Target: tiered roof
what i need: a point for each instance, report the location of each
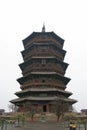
(26, 94)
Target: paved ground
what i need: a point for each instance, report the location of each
(40, 127)
(37, 126)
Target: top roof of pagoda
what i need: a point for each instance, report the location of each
(49, 34)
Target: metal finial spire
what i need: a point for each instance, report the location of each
(43, 28)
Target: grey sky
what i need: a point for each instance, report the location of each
(19, 18)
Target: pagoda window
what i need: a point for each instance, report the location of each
(43, 95)
(43, 87)
(43, 81)
(43, 61)
(43, 47)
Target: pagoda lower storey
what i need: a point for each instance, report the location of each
(40, 104)
(38, 107)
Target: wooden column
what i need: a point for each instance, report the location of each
(47, 107)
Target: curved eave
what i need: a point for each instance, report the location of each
(42, 84)
(23, 79)
(50, 34)
(43, 90)
(32, 99)
(33, 44)
(55, 98)
(61, 40)
(64, 64)
(65, 79)
(22, 65)
(71, 101)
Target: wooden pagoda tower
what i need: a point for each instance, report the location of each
(43, 81)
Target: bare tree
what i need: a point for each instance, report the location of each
(61, 108)
(12, 107)
(30, 108)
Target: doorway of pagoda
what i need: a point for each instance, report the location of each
(44, 108)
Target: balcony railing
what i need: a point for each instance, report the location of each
(39, 83)
(45, 40)
(36, 67)
(47, 52)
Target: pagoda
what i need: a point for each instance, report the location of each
(43, 81)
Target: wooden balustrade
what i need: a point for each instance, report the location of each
(38, 82)
(45, 40)
(47, 52)
(36, 67)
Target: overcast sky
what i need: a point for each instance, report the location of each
(67, 18)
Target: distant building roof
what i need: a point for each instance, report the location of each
(84, 110)
(2, 111)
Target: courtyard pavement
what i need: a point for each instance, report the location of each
(37, 126)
